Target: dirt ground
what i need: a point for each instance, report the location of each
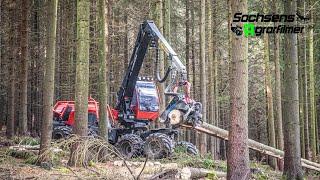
(18, 170)
(21, 168)
(13, 168)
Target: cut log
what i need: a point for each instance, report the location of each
(25, 147)
(254, 145)
(196, 173)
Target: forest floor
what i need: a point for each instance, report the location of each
(13, 166)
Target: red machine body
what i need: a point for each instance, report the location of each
(64, 111)
(145, 106)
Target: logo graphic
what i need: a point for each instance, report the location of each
(252, 24)
(249, 29)
(236, 29)
(302, 17)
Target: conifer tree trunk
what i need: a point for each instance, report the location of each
(211, 95)
(203, 75)
(2, 69)
(215, 73)
(278, 105)
(48, 86)
(306, 94)
(313, 143)
(161, 86)
(301, 97)
(12, 71)
(301, 83)
(82, 67)
(167, 20)
(292, 163)
(238, 151)
(102, 83)
(270, 115)
(23, 127)
(192, 11)
(187, 24)
(82, 74)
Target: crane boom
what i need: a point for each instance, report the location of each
(148, 35)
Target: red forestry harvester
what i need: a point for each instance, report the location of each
(138, 105)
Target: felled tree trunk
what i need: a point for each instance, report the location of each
(254, 145)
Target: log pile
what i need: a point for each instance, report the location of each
(254, 145)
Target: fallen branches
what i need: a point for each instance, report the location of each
(271, 151)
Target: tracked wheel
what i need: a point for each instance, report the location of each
(187, 147)
(61, 132)
(130, 145)
(158, 146)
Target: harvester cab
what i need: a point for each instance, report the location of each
(145, 102)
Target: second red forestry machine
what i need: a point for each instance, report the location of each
(138, 104)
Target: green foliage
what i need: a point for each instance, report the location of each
(208, 163)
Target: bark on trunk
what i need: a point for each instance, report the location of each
(203, 85)
(161, 86)
(270, 116)
(48, 91)
(12, 70)
(23, 126)
(313, 143)
(102, 84)
(238, 152)
(187, 17)
(300, 7)
(82, 75)
(211, 93)
(306, 103)
(278, 105)
(292, 163)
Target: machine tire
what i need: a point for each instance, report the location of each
(158, 145)
(92, 132)
(61, 132)
(189, 147)
(130, 145)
